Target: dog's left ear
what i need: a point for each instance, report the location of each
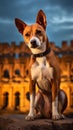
(41, 19)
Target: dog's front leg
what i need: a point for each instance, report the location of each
(31, 114)
(55, 113)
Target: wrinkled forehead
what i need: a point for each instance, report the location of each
(32, 28)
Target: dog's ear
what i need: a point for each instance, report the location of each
(41, 19)
(20, 25)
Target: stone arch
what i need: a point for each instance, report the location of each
(6, 74)
(17, 72)
(28, 96)
(5, 100)
(17, 100)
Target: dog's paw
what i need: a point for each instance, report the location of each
(30, 117)
(58, 116)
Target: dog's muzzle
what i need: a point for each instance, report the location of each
(35, 42)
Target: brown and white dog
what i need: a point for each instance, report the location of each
(44, 70)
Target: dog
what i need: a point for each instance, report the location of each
(44, 70)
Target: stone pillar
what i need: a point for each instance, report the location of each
(12, 106)
(10, 103)
(69, 96)
(26, 91)
(9, 100)
(11, 72)
(0, 96)
(69, 71)
(24, 104)
(22, 70)
(22, 98)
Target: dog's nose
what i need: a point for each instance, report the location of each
(33, 43)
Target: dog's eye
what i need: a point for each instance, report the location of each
(38, 32)
(27, 34)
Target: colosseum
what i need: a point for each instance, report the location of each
(14, 82)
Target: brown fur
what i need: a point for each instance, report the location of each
(29, 31)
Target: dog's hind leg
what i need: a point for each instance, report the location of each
(39, 104)
(63, 101)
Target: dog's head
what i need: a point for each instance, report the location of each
(35, 34)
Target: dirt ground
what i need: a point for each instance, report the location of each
(16, 121)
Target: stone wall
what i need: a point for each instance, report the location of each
(14, 82)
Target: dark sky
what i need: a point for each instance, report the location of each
(59, 15)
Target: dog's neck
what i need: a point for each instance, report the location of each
(41, 52)
(38, 50)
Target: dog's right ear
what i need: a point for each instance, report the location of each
(20, 25)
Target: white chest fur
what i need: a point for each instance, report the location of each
(41, 70)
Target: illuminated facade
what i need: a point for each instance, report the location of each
(14, 83)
